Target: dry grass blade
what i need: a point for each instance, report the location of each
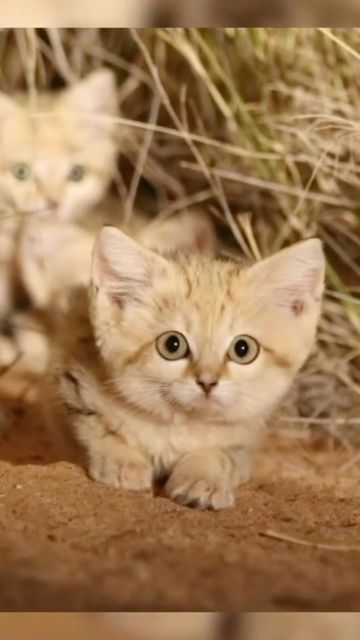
(274, 535)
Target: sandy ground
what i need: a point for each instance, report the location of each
(67, 543)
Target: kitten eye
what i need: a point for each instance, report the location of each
(172, 346)
(244, 350)
(21, 171)
(76, 173)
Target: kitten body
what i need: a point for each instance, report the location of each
(136, 412)
(55, 256)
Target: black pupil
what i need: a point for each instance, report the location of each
(77, 172)
(241, 348)
(172, 344)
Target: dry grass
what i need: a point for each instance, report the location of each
(262, 128)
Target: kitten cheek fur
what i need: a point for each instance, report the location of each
(135, 296)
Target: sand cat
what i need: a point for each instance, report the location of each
(57, 157)
(168, 366)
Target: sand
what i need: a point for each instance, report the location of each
(67, 543)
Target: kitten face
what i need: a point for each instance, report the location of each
(200, 338)
(57, 161)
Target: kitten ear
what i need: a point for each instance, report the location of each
(190, 232)
(294, 276)
(8, 106)
(123, 268)
(95, 94)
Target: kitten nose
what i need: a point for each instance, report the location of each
(53, 202)
(206, 386)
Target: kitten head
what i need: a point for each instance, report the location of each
(200, 337)
(58, 160)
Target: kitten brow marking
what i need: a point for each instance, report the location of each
(279, 359)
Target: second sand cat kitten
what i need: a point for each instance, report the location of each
(171, 365)
(56, 160)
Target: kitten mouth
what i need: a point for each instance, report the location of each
(47, 212)
(208, 404)
(202, 404)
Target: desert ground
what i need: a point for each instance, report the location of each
(67, 543)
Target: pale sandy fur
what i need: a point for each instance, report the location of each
(135, 415)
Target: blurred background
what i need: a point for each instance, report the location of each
(181, 626)
(195, 13)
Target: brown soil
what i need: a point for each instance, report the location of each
(67, 543)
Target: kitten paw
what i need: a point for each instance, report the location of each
(133, 475)
(199, 493)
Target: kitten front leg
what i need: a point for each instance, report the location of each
(116, 464)
(206, 479)
(79, 424)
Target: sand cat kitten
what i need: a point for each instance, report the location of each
(56, 160)
(172, 364)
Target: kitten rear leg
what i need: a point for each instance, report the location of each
(207, 479)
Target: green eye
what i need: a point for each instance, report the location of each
(244, 350)
(21, 171)
(76, 173)
(172, 346)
